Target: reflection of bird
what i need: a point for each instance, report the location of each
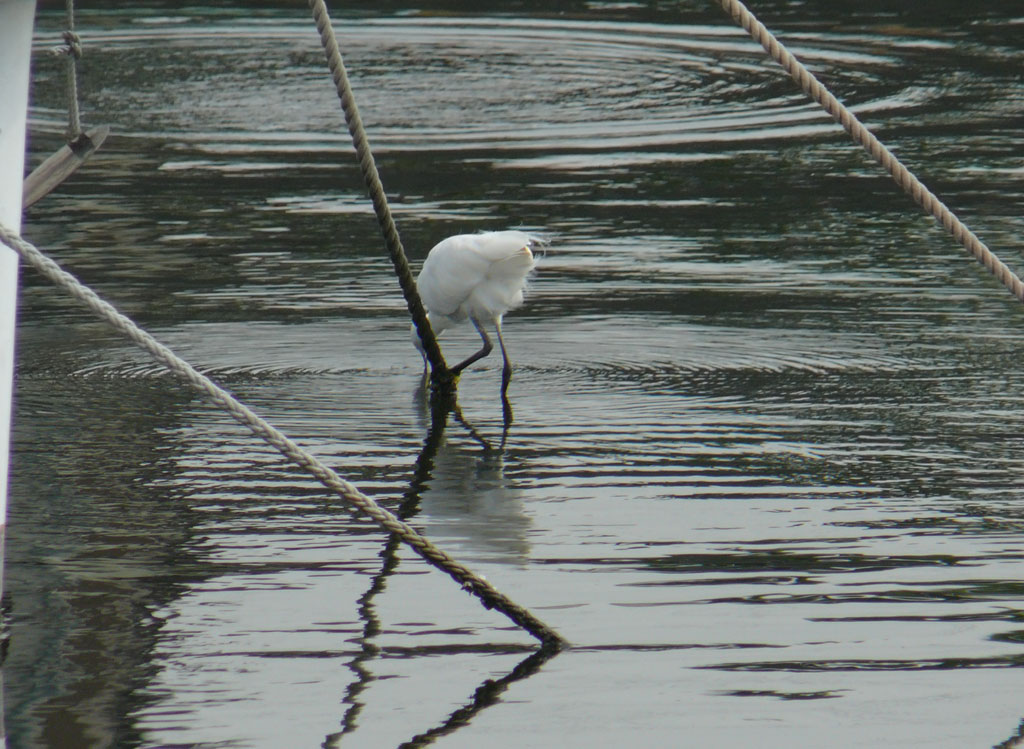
(460, 493)
(479, 277)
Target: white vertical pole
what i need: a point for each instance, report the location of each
(16, 18)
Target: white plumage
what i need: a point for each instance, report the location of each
(478, 277)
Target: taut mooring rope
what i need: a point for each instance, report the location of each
(439, 372)
(903, 177)
(481, 588)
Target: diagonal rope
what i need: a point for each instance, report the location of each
(903, 177)
(478, 586)
(439, 371)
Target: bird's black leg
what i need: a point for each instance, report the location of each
(506, 369)
(479, 354)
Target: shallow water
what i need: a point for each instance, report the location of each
(765, 465)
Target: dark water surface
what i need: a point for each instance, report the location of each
(765, 470)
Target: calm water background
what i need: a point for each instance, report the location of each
(765, 470)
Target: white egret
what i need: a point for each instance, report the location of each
(478, 277)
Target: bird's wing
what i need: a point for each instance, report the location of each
(449, 275)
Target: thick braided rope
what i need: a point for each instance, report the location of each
(487, 593)
(903, 177)
(439, 370)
